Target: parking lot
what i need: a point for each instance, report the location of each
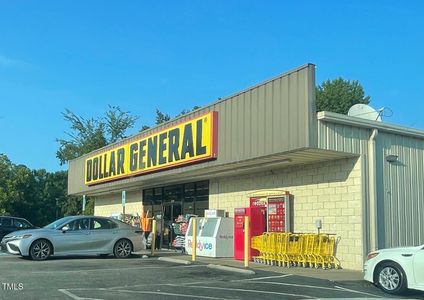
(150, 278)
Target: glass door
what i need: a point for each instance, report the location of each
(170, 212)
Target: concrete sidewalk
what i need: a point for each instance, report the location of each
(330, 274)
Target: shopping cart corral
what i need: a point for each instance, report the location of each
(297, 249)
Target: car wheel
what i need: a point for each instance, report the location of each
(391, 278)
(40, 250)
(122, 249)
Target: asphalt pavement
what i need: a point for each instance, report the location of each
(151, 278)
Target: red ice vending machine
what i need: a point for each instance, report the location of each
(257, 227)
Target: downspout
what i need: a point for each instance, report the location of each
(372, 171)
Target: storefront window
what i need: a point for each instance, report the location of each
(157, 201)
(157, 196)
(189, 192)
(148, 201)
(189, 197)
(167, 203)
(202, 197)
(193, 197)
(173, 193)
(200, 207)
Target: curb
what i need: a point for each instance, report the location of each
(231, 269)
(173, 260)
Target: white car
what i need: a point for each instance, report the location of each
(397, 269)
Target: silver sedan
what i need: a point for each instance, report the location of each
(76, 235)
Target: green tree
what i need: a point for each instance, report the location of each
(89, 207)
(85, 135)
(45, 199)
(22, 192)
(17, 189)
(90, 134)
(164, 117)
(144, 127)
(36, 195)
(53, 196)
(339, 95)
(71, 206)
(186, 111)
(161, 117)
(6, 175)
(117, 123)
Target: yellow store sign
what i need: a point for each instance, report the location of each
(186, 143)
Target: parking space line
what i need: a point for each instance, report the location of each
(300, 285)
(119, 289)
(260, 278)
(115, 269)
(357, 292)
(335, 288)
(67, 293)
(172, 294)
(157, 284)
(75, 297)
(200, 282)
(247, 291)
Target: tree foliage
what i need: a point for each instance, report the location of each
(161, 117)
(186, 111)
(339, 95)
(87, 135)
(36, 195)
(17, 188)
(117, 123)
(144, 127)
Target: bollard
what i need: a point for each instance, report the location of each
(246, 242)
(194, 241)
(153, 244)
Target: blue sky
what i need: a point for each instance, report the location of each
(171, 55)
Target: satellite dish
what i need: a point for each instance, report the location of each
(365, 112)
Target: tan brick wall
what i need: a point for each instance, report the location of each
(112, 204)
(330, 191)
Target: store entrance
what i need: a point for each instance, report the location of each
(170, 212)
(167, 203)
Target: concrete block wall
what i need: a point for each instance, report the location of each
(329, 191)
(110, 204)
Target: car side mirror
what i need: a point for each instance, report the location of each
(65, 228)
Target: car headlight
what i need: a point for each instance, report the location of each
(372, 255)
(23, 236)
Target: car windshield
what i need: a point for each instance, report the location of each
(57, 223)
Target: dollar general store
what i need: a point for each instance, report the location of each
(363, 179)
